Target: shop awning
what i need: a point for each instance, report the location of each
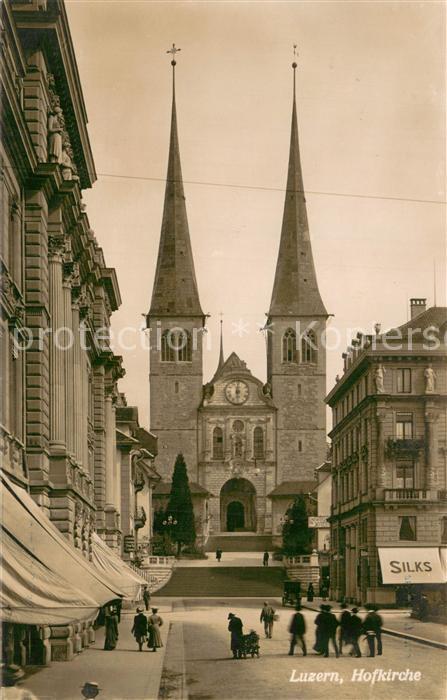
(111, 565)
(411, 565)
(28, 525)
(32, 594)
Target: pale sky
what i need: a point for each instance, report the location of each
(371, 113)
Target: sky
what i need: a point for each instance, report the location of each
(371, 117)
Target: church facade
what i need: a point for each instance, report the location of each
(252, 444)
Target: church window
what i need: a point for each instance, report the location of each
(238, 426)
(258, 443)
(176, 346)
(218, 443)
(289, 346)
(309, 348)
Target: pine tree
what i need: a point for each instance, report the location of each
(180, 506)
(296, 535)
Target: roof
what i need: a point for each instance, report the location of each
(295, 290)
(163, 488)
(293, 488)
(434, 316)
(175, 290)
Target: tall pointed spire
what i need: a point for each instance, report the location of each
(221, 353)
(175, 290)
(295, 290)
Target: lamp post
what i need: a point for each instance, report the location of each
(168, 524)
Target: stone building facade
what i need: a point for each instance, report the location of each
(389, 448)
(241, 437)
(59, 374)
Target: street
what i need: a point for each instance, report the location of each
(199, 627)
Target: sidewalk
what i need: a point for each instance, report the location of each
(122, 674)
(398, 623)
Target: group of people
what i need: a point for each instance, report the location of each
(343, 632)
(147, 629)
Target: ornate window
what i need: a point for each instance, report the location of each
(258, 443)
(289, 346)
(309, 347)
(238, 426)
(176, 346)
(404, 426)
(238, 446)
(405, 474)
(218, 452)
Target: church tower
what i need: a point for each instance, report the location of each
(296, 357)
(176, 323)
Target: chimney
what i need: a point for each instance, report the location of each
(417, 306)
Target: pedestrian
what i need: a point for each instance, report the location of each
(111, 628)
(218, 554)
(354, 631)
(423, 608)
(139, 629)
(267, 617)
(326, 630)
(11, 678)
(372, 626)
(324, 590)
(265, 559)
(235, 627)
(297, 629)
(343, 622)
(310, 592)
(146, 597)
(153, 628)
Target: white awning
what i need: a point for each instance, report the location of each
(116, 570)
(32, 594)
(411, 565)
(28, 525)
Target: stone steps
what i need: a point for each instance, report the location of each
(224, 581)
(240, 542)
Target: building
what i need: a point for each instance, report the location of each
(241, 437)
(389, 441)
(59, 375)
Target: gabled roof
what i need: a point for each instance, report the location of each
(232, 365)
(293, 488)
(434, 316)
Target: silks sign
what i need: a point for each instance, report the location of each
(411, 565)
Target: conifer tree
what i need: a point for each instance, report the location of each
(180, 506)
(296, 535)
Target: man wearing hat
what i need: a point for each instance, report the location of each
(354, 632)
(326, 629)
(139, 629)
(90, 689)
(235, 627)
(344, 622)
(11, 676)
(297, 629)
(267, 617)
(372, 625)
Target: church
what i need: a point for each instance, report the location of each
(250, 445)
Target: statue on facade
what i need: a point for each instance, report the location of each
(69, 171)
(55, 128)
(430, 379)
(267, 390)
(379, 374)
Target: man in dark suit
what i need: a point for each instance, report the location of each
(297, 628)
(354, 631)
(327, 624)
(344, 621)
(139, 629)
(372, 625)
(235, 627)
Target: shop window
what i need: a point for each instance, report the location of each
(407, 528)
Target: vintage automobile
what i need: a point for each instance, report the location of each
(291, 593)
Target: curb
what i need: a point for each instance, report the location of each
(401, 635)
(173, 675)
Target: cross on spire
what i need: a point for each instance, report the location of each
(173, 50)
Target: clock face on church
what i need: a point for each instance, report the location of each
(236, 392)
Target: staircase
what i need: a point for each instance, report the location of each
(239, 542)
(246, 582)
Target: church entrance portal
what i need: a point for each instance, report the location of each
(238, 506)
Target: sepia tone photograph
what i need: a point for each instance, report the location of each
(223, 368)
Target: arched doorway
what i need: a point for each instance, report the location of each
(238, 506)
(235, 516)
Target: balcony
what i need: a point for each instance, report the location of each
(410, 495)
(403, 447)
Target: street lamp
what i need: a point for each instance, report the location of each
(168, 523)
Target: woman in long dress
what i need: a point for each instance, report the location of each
(154, 636)
(111, 625)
